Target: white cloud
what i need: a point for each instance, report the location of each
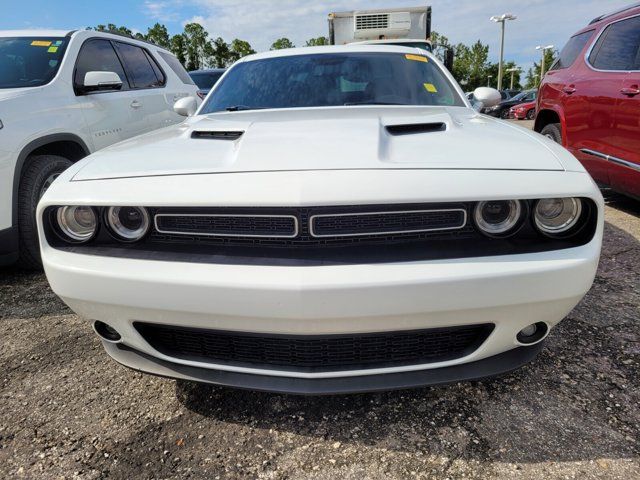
(262, 21)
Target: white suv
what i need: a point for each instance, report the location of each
(64, 95)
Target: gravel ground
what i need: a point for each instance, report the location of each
(68, 411)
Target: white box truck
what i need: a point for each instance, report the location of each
(390, 25)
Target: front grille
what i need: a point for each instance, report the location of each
(316, 227)
(315, 353)
(252, 226)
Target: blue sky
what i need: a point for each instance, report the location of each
(262, 21)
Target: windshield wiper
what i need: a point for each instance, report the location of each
(238, 108)
(350, 104)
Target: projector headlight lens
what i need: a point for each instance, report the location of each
(128, 224)
(498, 217)
(77, 223)
(555, 216)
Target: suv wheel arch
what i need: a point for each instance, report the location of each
(546, 117)
(53, 152)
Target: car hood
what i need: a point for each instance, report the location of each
(338, 138)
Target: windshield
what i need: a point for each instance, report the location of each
(522, 95)
(322, 80)
(29, 61)
(205, 80)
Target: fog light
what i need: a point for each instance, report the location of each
(532, 333)
(498, 217)
(77, 223)
(128, 224)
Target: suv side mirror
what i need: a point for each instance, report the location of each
(489, 97)
(101, 81)
(186, 106)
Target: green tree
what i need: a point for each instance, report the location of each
(113, 28)
(316, 42)
(533, 74)
(470, 65)
(158, 34)
(179, 48)
(282, 43)
(440, 44)
(240, 48)
(221, 53)
(196, 41)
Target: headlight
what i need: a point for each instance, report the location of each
(498, 217)
(77, 223)
(555, 216)
(128, 223)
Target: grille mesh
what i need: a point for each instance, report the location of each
(359, 224)
(315, 353)
(250, 226)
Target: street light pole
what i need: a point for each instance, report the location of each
(489, 77)
(513, 71)
(501, 19)
(548, 47)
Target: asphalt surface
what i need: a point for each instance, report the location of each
(68, 411)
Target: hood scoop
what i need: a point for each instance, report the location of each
(217, 134)
(413, 128)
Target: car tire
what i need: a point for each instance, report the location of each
(553, 132)
(504, 114)
(531, 114)
(38, 175)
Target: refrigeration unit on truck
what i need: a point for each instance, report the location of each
(390, 25)
(408, 26)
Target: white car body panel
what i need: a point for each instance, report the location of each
(320, 157)
(97, 120)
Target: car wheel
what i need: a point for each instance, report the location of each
(37, 177)
(504, 114)
(531, 114)
(553, 132)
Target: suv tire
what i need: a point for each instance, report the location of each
(553, 131)
(41, 170)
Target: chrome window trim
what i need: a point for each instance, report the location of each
(313, 217)
(612, 159)
(593, 44)
(170, 232)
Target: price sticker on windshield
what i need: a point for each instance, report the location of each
(40, 43)
(416, 58)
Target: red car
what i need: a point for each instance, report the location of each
(523, 111)
(589, 101)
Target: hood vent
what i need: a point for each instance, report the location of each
(413, 128)
(217, 134)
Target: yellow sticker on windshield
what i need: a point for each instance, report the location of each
(52, 49)
(430, 87)
(416, 58)
(40, 43)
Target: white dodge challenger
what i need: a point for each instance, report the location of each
(331, 220)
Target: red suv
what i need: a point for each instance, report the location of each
(589, 101)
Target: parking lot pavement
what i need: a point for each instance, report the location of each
(68, 411)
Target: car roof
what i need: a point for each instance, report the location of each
(208, 70)
(350, 48)
(621, 12)
(35, 33)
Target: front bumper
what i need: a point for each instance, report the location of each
(511, 292)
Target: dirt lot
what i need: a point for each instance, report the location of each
(68, 411)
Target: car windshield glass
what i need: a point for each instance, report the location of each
(205, 80)
(520, 96)
(322, 80)
(29, 61)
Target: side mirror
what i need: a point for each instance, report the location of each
(489, 97)
(186, 106)
(101, 81)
